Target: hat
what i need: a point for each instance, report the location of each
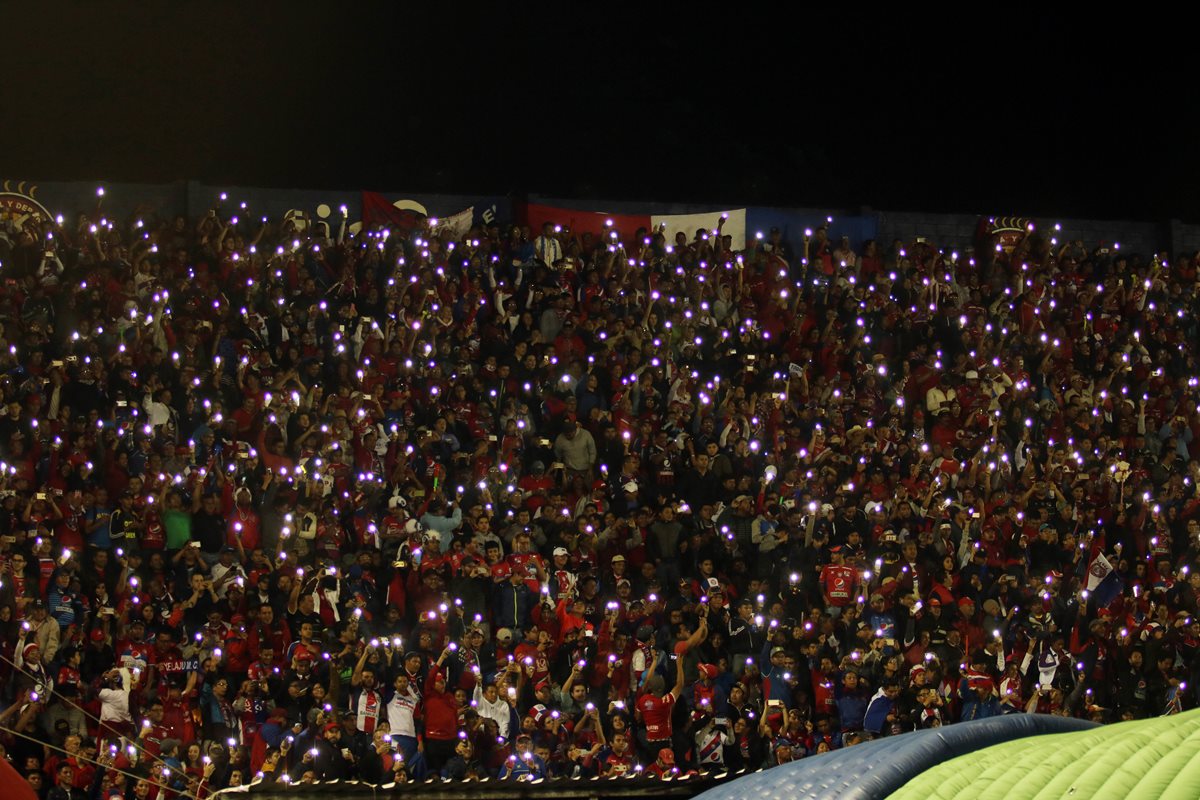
(935, 601)
(618, 557)
(707, 671)
(965, 601)
(972, 375)
(741, 497)
(561, 551)
(302, 654)
(775, 651)
(332, 726)
(538, 712)
(504, 635)
(537, 467)
(630, 487)
(96, 635)
(667, 756)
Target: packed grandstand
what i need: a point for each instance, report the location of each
(289, 500)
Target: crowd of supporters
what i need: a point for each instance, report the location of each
(291, 503)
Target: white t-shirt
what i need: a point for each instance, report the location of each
(499, 710)
(401, 710)
(114, 705)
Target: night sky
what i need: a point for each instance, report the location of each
(1002, 114)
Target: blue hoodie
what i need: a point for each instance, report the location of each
(877, 711)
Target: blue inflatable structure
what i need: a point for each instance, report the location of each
(874, 770)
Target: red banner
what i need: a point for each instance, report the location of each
(377, 212)
(594, 222)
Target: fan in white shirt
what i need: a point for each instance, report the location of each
(491, 705)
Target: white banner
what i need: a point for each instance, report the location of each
(688, 224)
(458, 224)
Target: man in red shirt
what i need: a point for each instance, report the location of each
(664, 765)
(838, 582)
(441, 716)
(653, 707)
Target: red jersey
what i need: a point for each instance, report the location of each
(656, 714)
(154, 537)
(243, 525)
(837, 582)
(527, 564)
(619, 765)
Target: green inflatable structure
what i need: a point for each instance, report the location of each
(1144, 759)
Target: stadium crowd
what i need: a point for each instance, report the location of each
(291, 503)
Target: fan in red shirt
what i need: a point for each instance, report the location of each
(441, 716)
(653, 707)
(838, 581)
(243, 525)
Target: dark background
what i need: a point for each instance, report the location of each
(979, 110)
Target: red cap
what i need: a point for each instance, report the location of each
(965, 601)
(707, 671)
(96, 635)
